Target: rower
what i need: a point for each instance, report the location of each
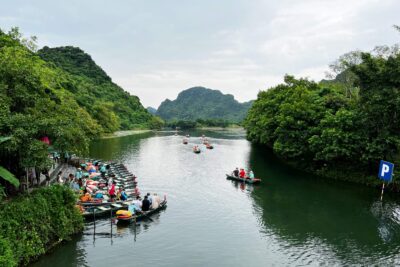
(236, 172)
(145, 204)
(251, 175)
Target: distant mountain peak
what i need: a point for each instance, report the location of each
(151, 110)
(202, 103)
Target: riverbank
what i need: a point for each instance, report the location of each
(124, 133)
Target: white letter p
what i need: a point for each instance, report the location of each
(385, 169)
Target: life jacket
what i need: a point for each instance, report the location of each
(86, 197)
(112, 190)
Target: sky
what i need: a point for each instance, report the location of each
(156, 48)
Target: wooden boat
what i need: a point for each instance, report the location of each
(196, 149)
(96, 212)
(139, 217)
(248, 181)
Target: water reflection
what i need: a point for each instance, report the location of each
(308, 215)
(291, 218)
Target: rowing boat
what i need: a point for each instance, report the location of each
(102, 211)
(141, 216)
(247, 180)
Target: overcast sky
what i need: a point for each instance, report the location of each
(157, 48)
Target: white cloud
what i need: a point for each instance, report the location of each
(157, 48)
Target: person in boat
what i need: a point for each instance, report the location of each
(111, 192)
(242, 173)
(133, 209)
(145, 204)
(86, 197)
(98, 195)
(138, 203)
(236, 172)
(122, 194)
(251, 175)
(156, 201)
(150, 198)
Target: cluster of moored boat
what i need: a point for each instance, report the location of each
(105, 206)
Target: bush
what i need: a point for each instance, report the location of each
(30, 224)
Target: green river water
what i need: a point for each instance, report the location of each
(290, 219)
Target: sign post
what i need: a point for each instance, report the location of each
(385, 173)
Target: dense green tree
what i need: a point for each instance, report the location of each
(156, 123)
(105, 116)
(338, 127)
(95, 91)
(379, 81)
(35, 105)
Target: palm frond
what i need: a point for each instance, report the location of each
(9, 177)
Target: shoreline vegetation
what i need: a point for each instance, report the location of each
(340, 128)
(32, 224)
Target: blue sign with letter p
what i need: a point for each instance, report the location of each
(386, 171)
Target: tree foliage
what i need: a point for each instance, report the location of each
(111, 106)
(334, 127)
(35, 105)
(56, 93)
(30, 224)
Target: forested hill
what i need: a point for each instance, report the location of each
(59, 95)
(202, 103)
(93, 89)
(75, 61)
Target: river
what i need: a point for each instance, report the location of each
(290, 219)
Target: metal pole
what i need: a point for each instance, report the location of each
(94, 220)
(134, 230)
(383, 188)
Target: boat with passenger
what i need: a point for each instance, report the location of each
(196, 149)
(246, 180)
(125, 217)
